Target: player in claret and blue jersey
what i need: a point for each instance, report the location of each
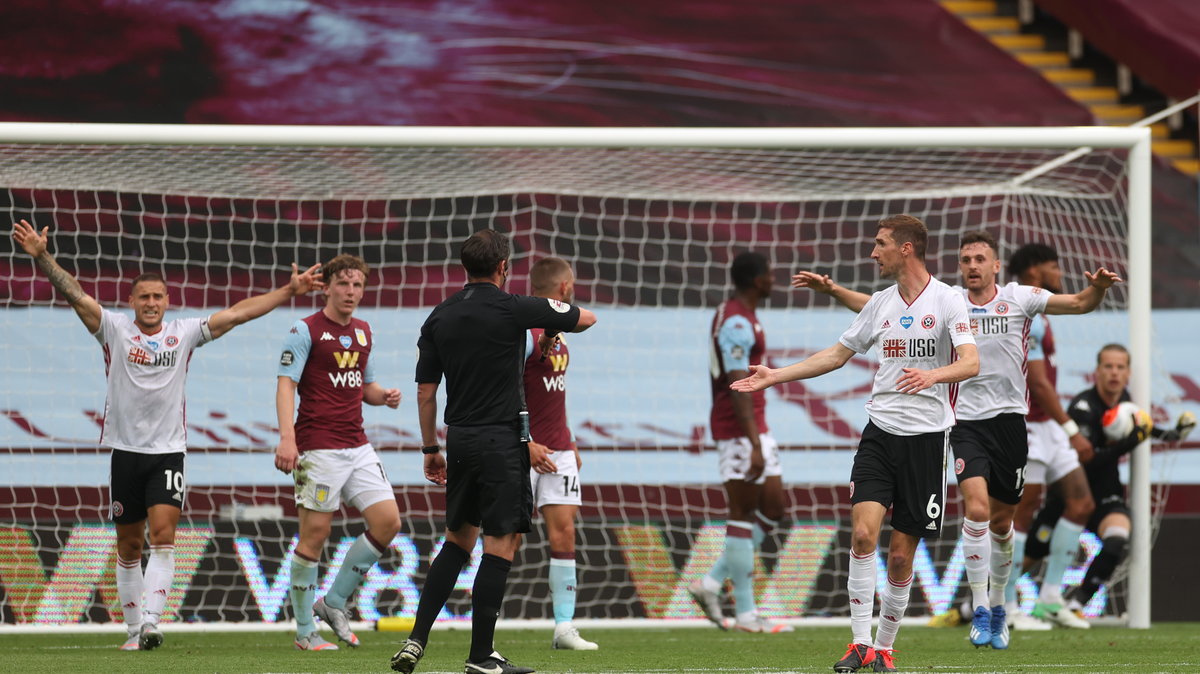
(749, 456)
(553, 456)
(327, 359)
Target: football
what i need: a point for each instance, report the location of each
(1119, 421)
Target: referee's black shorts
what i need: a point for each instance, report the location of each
(487, 479)
(995, 449)
(906, 473)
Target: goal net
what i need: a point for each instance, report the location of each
(650, 230)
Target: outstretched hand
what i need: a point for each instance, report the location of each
(761, 377)
(818, 282)
(29, 239)
(301, 283)
(1102, 278)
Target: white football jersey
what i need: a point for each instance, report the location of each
(920, 335)
(144, 404)
(1001, 330)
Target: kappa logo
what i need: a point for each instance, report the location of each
(345, 341)
(906, 322)
(326, 337)
(928, 321)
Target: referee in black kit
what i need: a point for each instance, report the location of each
(476, 338)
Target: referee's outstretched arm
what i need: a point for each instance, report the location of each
(586, 320)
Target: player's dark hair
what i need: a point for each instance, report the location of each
(341, 263)
(483, 252)
(979, 237)
(907, 229)
(1113, 347)
(1028, 256)
(746, 268)
(547, 272)
(147, 277)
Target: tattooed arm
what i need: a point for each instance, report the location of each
(34, 244)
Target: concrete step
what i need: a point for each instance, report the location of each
(1175, 149)
(970, 7)
(1069, 76)
(1044, 59)
(994, 25)
(1019, 43)
(1093, 94)
(1118, 115)
(1189, 166)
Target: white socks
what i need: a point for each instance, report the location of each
(861, 587)
(160, 573)
(977, 553)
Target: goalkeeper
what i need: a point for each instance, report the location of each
(1111, 520)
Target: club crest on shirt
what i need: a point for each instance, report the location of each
(361, 336)
(928, 322)
(172, 341)
(906, 322)
(345, 341)
(1002, 308)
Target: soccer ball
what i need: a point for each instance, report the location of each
(1119, 421)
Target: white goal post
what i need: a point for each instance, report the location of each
(1133, 145)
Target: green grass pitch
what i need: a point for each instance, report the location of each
(1168, 647)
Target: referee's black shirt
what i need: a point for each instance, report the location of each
(476, 338)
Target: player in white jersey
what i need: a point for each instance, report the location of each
(989, 438)
(146, 361)
(923, 337)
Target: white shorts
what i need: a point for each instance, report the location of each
(735, 458)
(326, 477)
(560, 487)
(1051, 455)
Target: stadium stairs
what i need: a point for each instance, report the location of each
(1077, 69)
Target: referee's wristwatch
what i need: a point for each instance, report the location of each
(431, 449)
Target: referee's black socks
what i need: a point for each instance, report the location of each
(486, 598)
(443, 574)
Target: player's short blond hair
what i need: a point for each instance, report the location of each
(341, 263)
(547, 272)
(147, 277)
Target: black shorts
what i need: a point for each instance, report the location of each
(487, 480)
(138, 481)
(906, 473)
(996, 450)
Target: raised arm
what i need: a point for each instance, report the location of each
(851, 299)
(1087, 299)
(252, 307)
(34, 243)
(826, 360)
(586, 320)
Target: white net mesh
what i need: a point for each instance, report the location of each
(650, 232)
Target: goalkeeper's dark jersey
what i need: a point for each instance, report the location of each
(1087, 409)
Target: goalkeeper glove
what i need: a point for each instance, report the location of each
(1184, 426)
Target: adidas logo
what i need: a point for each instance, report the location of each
(932, 526)
(886, 324)
(892, 618)
(973, 558)
(856, 601)
(161, 591)
(326, 337)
